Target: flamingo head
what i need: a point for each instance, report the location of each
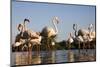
(26, 20)
(75, 26)
(20, 27)
(56, 19)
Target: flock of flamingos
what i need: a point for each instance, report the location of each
(26, 38)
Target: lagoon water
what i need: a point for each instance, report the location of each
(57, 56)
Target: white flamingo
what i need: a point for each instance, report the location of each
(91, 32)
(91, 35)
(87, 35)
(70, 40)
(32, 37)
(49, 32)
(79, 36)
(19, 38)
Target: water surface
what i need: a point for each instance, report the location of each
(58, 56)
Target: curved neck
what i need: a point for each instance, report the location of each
(56, 29)
(24, 26)
(20, 28)
(75, 29)
(90, 28)
(70, 35)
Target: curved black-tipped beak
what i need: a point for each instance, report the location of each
(26, 20)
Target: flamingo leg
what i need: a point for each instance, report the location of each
(79, 45)
(69, 46)
(94, 46)
(48, 46)
(84, 46)
(37, 49)
(89, 45)
(17, 48)
(29, 53)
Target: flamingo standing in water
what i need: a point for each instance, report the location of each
(86, 35)
(78, 39)
(91, 35)
(27, 36)
(49, 33)
(70, 40)
(20, 39)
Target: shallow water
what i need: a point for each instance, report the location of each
(58, 56)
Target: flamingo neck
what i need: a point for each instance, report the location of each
(20, 28)
(24, 26)
(56, 29)
(75, 29)
(90, 28)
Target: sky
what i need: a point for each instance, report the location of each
(41, 14)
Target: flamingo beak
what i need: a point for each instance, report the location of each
(57, 21)
(19, 27)
(26, 20)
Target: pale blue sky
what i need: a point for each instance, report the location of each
(40, 15)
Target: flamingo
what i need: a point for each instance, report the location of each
(49, 32)
(80, 36)
(91, 35)
(27, 35)
(87, 35)
(91, 32)
(70, 40)
(20, 39)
